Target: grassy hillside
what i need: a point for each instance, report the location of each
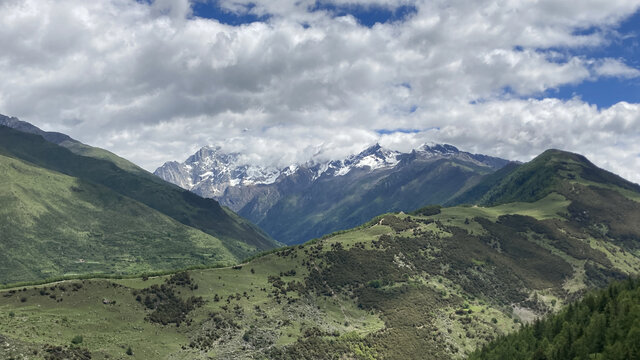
(74, 145)
(474, 194)
(65, 214)
(102, 154)
(189, 209)
(544, 174)
(53, 224)
(604, 325)
(434, 286)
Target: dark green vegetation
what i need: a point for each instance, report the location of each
(299, 209)
(64, 213)
(436, 285)
(534, 180)
(428, 210)
(603, 325)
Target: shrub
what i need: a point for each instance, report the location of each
(428, 210)
(78, 339)
(167, 306)
(180, 279)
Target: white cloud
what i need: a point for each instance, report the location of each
(153, 83)
(615, 68)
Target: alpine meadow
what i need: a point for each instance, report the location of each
(319, 180)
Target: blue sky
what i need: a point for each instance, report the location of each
(212, 10)
(367, 15)
(605, 92)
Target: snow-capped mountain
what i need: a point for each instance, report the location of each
(372, 158)
(302, 201)
(210, 171)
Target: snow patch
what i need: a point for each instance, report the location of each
(212, 171)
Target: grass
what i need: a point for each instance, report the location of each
(541, 176)
(101, 154)
(56, 225)
(65, 215)
(400, 286)
(622, 259)
(105, 328)
(239, 236)
(400, 313)
(551, 206)
(367, 235)
(109, 329)
(629, 194)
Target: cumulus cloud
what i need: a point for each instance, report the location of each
(153, 82)
(615, 68)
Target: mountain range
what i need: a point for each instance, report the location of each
(437, 283)
(71, 209)
(303, 201)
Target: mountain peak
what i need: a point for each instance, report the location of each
(373, 157)
(546, 173)
(371, 150)
(17, 124)
(210, 171)
(441, 149)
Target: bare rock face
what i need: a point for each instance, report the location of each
(209, 172)
(175, 173)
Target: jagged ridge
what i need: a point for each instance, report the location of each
(303, 201)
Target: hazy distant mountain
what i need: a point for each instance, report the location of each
(302, 201)
(15, 123)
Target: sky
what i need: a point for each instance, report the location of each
(286, 81)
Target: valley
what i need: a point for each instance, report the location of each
(65, 214)
(319, 180)
(439, 283)
(303, 201)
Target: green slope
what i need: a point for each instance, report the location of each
(398, 287)
(70, 143)
(52, 224)
(65, 214)
(475, 193)
(545, 174)
(97, 153)
(127, 180)
(604, 325)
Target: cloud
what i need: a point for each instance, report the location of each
(615, 68)
(153, 81)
